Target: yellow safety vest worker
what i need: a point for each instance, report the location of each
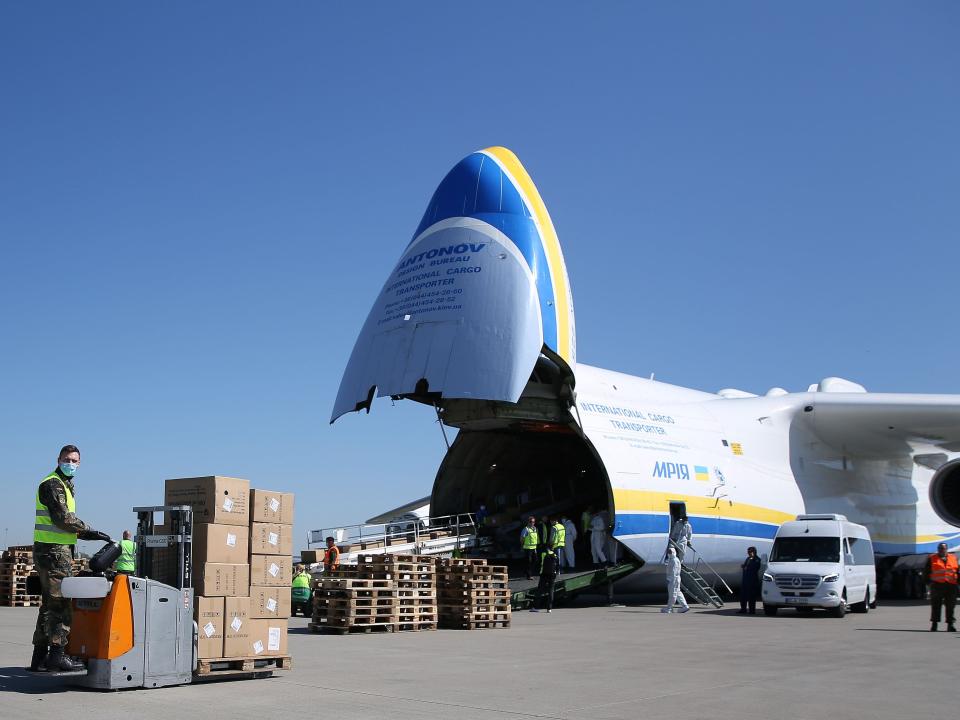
(302, 581)
(531, 538)
(44, 531)
(559, 535)
(126, 563)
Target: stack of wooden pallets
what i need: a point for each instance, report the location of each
(416, 582)
(343, 605)
(472, 595)
(16, 565)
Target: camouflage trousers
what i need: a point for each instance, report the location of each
(53, 563)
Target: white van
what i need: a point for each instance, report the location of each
(820, 561)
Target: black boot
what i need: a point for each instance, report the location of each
(38, 663)
(951, 627)
(58, 662)
(933, 627)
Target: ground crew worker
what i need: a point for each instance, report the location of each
(543, 531)
(127, 563)
(585, 518)
(549, 569)
(569, 557)
(331, 556)
(598, 540)
(681, 534)
(558, 541)
(674, 593)
(300, 589)
(529, 540)
(941, 572)
(55, 532)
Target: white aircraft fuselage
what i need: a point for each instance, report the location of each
(476, 319)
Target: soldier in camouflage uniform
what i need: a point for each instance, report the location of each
(55, 535)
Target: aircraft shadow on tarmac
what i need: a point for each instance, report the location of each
(19, 680)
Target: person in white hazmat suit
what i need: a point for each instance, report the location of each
(681, 535)
(568, 555)
(674, 593)
(598, 539)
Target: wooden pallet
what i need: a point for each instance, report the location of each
(20, 602)
(474, 603)
(351, 629)
(450, 624)
(360, 602)
(354, 584)
(356, 614)
(232, 667)
(462, 562)
(449, 594)
(416, 626)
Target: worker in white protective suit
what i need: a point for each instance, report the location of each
(681, 535)
(598, 539)
(568, 555)
(674, 593)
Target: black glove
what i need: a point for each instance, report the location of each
(97, 535)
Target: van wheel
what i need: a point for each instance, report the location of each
(840, 610)
(862, 607)
(770, 610)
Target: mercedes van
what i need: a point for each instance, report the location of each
(820, 561)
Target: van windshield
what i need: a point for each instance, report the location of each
(806, 549)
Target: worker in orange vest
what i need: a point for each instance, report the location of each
(331, 557)
(941, 572)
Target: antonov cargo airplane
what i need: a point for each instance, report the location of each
(476, 319)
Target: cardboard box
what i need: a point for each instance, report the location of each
(271, 570)
(220, 543)
(221, 579)
(214, 499)
(271, 539)
(267, 637)
(236, 626)
(270, 506)
(208, 612)
(269, 602)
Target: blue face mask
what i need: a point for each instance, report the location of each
(69, 469)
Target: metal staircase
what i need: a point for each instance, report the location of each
(694, 584)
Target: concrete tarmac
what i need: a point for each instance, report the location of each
(577, 662)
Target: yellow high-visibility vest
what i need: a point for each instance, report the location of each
(44, 530)
(531, 539)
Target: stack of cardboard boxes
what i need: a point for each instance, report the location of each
(242, 545)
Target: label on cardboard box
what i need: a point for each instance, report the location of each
(273, 569)
(258, 647)
(271, 605)
(236, 624)
(231, 540)
(274, 504)
(273, 639)
(273, 539)
(209, 629)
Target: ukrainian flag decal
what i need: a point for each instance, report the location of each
(701, 473)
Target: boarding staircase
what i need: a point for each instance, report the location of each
(692, 581)
(694, 584)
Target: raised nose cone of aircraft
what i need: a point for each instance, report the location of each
(478, 293)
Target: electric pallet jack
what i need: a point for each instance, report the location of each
(132, 631)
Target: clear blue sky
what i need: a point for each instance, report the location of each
(200, 201)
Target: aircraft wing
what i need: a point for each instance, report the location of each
(882, 424)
